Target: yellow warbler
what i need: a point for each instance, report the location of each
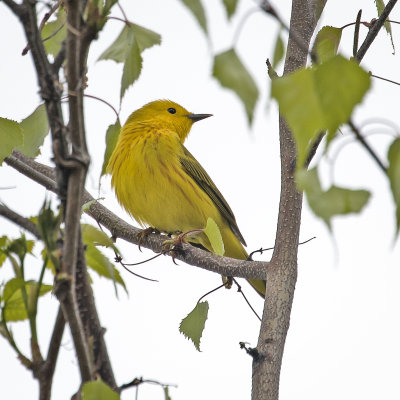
(161, 184)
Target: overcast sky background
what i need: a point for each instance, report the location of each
(343, 340)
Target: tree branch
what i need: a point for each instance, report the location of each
(373, 32)
(45, 176)
(191, 255)
(367, 147)
(282, 272)
(19, 220)
(14, 7)
(46, 372)
(89, 316)
(75, 167)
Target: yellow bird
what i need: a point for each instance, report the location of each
(160, 184)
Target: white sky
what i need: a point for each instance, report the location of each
(343, 340)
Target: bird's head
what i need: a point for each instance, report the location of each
(167, 114)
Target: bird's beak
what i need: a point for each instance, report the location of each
(198, 117)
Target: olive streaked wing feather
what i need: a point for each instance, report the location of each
(192, 167)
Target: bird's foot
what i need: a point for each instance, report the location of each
(143, 235)
(174, 246)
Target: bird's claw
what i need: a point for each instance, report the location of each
(174, 246)
(143, 235)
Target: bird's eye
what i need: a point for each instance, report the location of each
(171, 110)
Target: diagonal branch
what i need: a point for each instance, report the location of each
(19, 220)
(46, 371)
(367, 147)
(373, 32)
(17, 9)
(191, 255)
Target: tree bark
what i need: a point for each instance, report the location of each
(282, 271)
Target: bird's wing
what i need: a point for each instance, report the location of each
(193, 168)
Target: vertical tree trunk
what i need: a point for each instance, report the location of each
(282, 272)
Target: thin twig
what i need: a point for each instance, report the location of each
(385, 79)
(373, 32)
(308, 240)
(361, 139)
(120, 19)
(46, 17)
(103, 101)
(245, 298)
(123, 12)
(314, 147)
(261, 250)
(134, 273)
(138, 381)
(211, 291)
(356, 33)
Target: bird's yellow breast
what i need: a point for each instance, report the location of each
(152, 186)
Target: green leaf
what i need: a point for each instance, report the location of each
(11, 287)
(10, 137)
(299, 103)
(111, 141)
(145, 38)
(230, 7)
(320, 98)
(127, 49)
(394, 177)
(196, 8)
(21, 247)
(279, 50)
(3, 241)
(132, 68)
(98, 262)
(95, 259)
(380, 5)
(14, 306)
(3, 257)
(34, 129)
(98, 390)
(214, 236)
(341, 84)
(193, 325)
(49, 226)
(334, 201)
(326, 43)
(96, 237)
(119, 48)
(232, 74)
(54, 33)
